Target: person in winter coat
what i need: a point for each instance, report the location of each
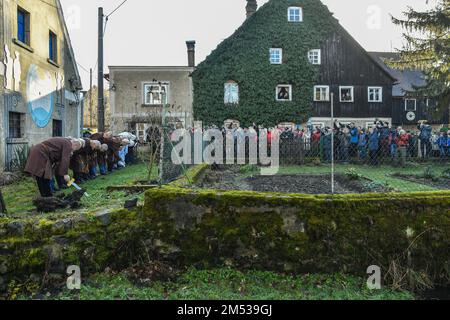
(49, 156)
(354, 136)
(442, 143)
(374, 145)
(362, 144)
(425, 139)
(326, 136)
(393, 142)
(102, 158)
(403, 141)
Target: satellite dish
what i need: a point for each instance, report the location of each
(411, 116)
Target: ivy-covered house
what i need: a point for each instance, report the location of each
(283, 64)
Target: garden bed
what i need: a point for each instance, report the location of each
(442, 183)
(235, 178)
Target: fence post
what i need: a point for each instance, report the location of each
(332, 143)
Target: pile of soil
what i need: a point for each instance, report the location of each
(436, 182)
(232, 179)
(52, 204)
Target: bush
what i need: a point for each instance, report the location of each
(352, 174)
(19, 161)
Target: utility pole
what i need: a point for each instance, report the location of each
(91, 115)
(101, 105)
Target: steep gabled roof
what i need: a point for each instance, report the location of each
(67, 39)
(407, 79)
(371, 58)
(339, 28)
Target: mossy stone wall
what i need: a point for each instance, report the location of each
(303, 233)
(206, 228)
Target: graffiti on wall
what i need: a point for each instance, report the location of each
(40, 95)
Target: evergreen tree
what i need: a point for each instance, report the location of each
(427, 48)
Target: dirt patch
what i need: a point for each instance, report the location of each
(442, 183)
(232, 178)
(52, 204)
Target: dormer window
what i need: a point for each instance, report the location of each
(276, 56)
(314, 56)
(295, 14)
(231, 93)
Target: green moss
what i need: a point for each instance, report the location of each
(328, 234)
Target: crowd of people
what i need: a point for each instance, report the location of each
(374, 145)
(94, 154)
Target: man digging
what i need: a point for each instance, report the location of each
(52, 154)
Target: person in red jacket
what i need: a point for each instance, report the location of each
(403, 142)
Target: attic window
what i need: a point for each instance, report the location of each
(410, 105)
(276, 56)
(231, 94)
(295, 14)
(314, 56)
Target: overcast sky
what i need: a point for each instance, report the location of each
(150, 32)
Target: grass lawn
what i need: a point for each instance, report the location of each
(19, 196)
(229, 284)
(380, 174)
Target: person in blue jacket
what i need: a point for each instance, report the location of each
(362, 144)
(442, 143)
(425, 139)
(353, 140)
(374, 145)
(448, 143)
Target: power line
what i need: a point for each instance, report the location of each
(85, 69)
(120, 5)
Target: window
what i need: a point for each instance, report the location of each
(57, 128)
(16, 120)
(141, 130)
(319, 125)
(430, 103)
(231, 94)
(276, 56)
(23, 26)
(346, 94)
(314, 56)
(53, 47)
(156, 93)
(410, 105)
(284, 93)
(295, 14)
(375, 94)
(321, 93)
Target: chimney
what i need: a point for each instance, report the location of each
(251, 7)
(191, 53)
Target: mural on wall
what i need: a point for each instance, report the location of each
(11, 69)
(17, 72)
(8, 69)
(40, 95)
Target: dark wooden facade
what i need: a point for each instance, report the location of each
(346, 63)
(425, 110)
